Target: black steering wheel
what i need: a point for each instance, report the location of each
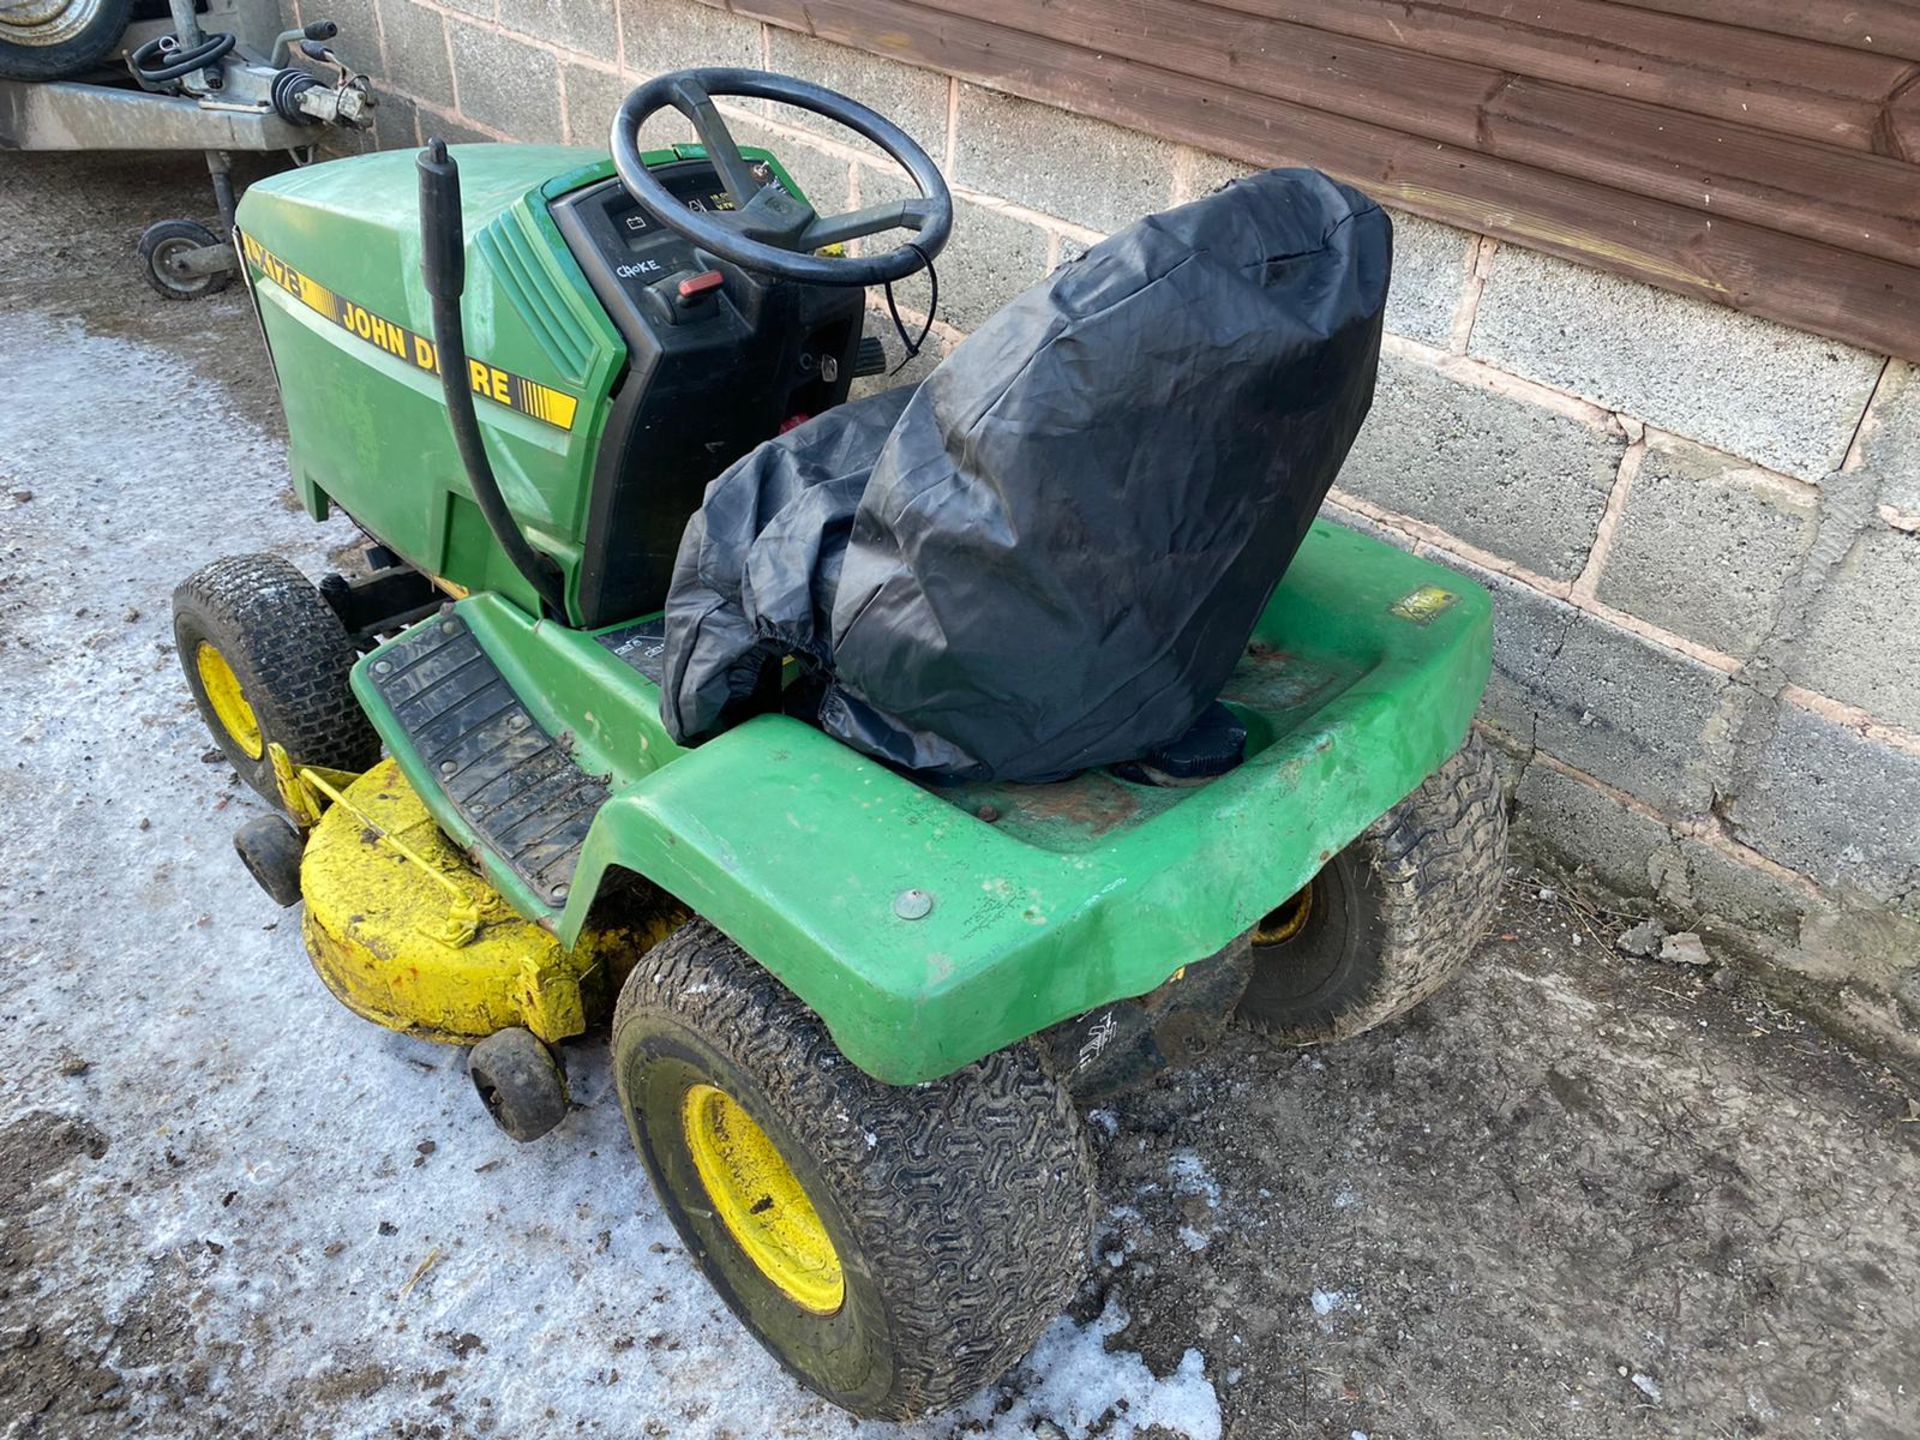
(768, 230)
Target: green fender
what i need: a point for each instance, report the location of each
(1363, 677)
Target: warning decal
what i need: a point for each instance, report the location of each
(516, 392)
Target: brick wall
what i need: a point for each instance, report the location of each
(1701, 530)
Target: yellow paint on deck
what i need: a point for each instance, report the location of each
(375, 928)
(304, 800)
(229, 700)
(761, 1201)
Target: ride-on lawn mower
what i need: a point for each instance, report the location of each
(852, 1006)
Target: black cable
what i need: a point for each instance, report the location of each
(912, 347)
(178, 62)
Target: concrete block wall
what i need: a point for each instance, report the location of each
(1702, 530)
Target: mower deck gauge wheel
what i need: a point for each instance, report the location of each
(270, 848)
(519, 1080)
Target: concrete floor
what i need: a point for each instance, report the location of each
(1576, 1195)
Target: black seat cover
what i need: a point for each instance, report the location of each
(1052, 553)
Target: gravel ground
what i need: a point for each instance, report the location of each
(1576, 1195)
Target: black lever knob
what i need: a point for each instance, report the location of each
(443, 250)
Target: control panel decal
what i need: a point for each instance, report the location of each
(516, 392)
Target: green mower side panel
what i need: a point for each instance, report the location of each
(1047, 900)
(333, 260)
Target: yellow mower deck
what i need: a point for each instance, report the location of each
(406, 934)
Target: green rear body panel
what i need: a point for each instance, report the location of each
(1079, 893)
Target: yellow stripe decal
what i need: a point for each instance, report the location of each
(516, 392)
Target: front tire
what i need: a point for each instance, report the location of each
(268, 662)
(895, 1248)
(1391, 918)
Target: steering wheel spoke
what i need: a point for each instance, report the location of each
(691, 99)
(769, 230)
(776, 217)
(872, 220)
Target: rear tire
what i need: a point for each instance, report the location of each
(84, 34)
(1391, 918)
(269, 662)
(895, 1248)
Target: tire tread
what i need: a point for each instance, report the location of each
(293, 656)
(1438, 858)
(972, 1195)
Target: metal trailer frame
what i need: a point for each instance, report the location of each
(241, 100)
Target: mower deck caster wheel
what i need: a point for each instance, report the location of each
(520, 1081)
(270, 848)
(161, 246)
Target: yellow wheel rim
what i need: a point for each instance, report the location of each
(1280, 925)
(229, 701)
(761, 1201)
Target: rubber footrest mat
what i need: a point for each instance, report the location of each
(510, 780)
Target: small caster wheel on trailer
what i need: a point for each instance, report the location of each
(1391, 918)
(169, 251)
(894, 1247)
(268, 661)
(519, 1080)
(270, 848)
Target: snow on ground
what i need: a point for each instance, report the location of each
(1072, 1380)
(303, 1224)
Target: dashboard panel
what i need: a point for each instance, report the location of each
(719, 359)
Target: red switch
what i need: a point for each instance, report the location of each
(695, 286)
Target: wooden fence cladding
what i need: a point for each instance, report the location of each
(1760, 153)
